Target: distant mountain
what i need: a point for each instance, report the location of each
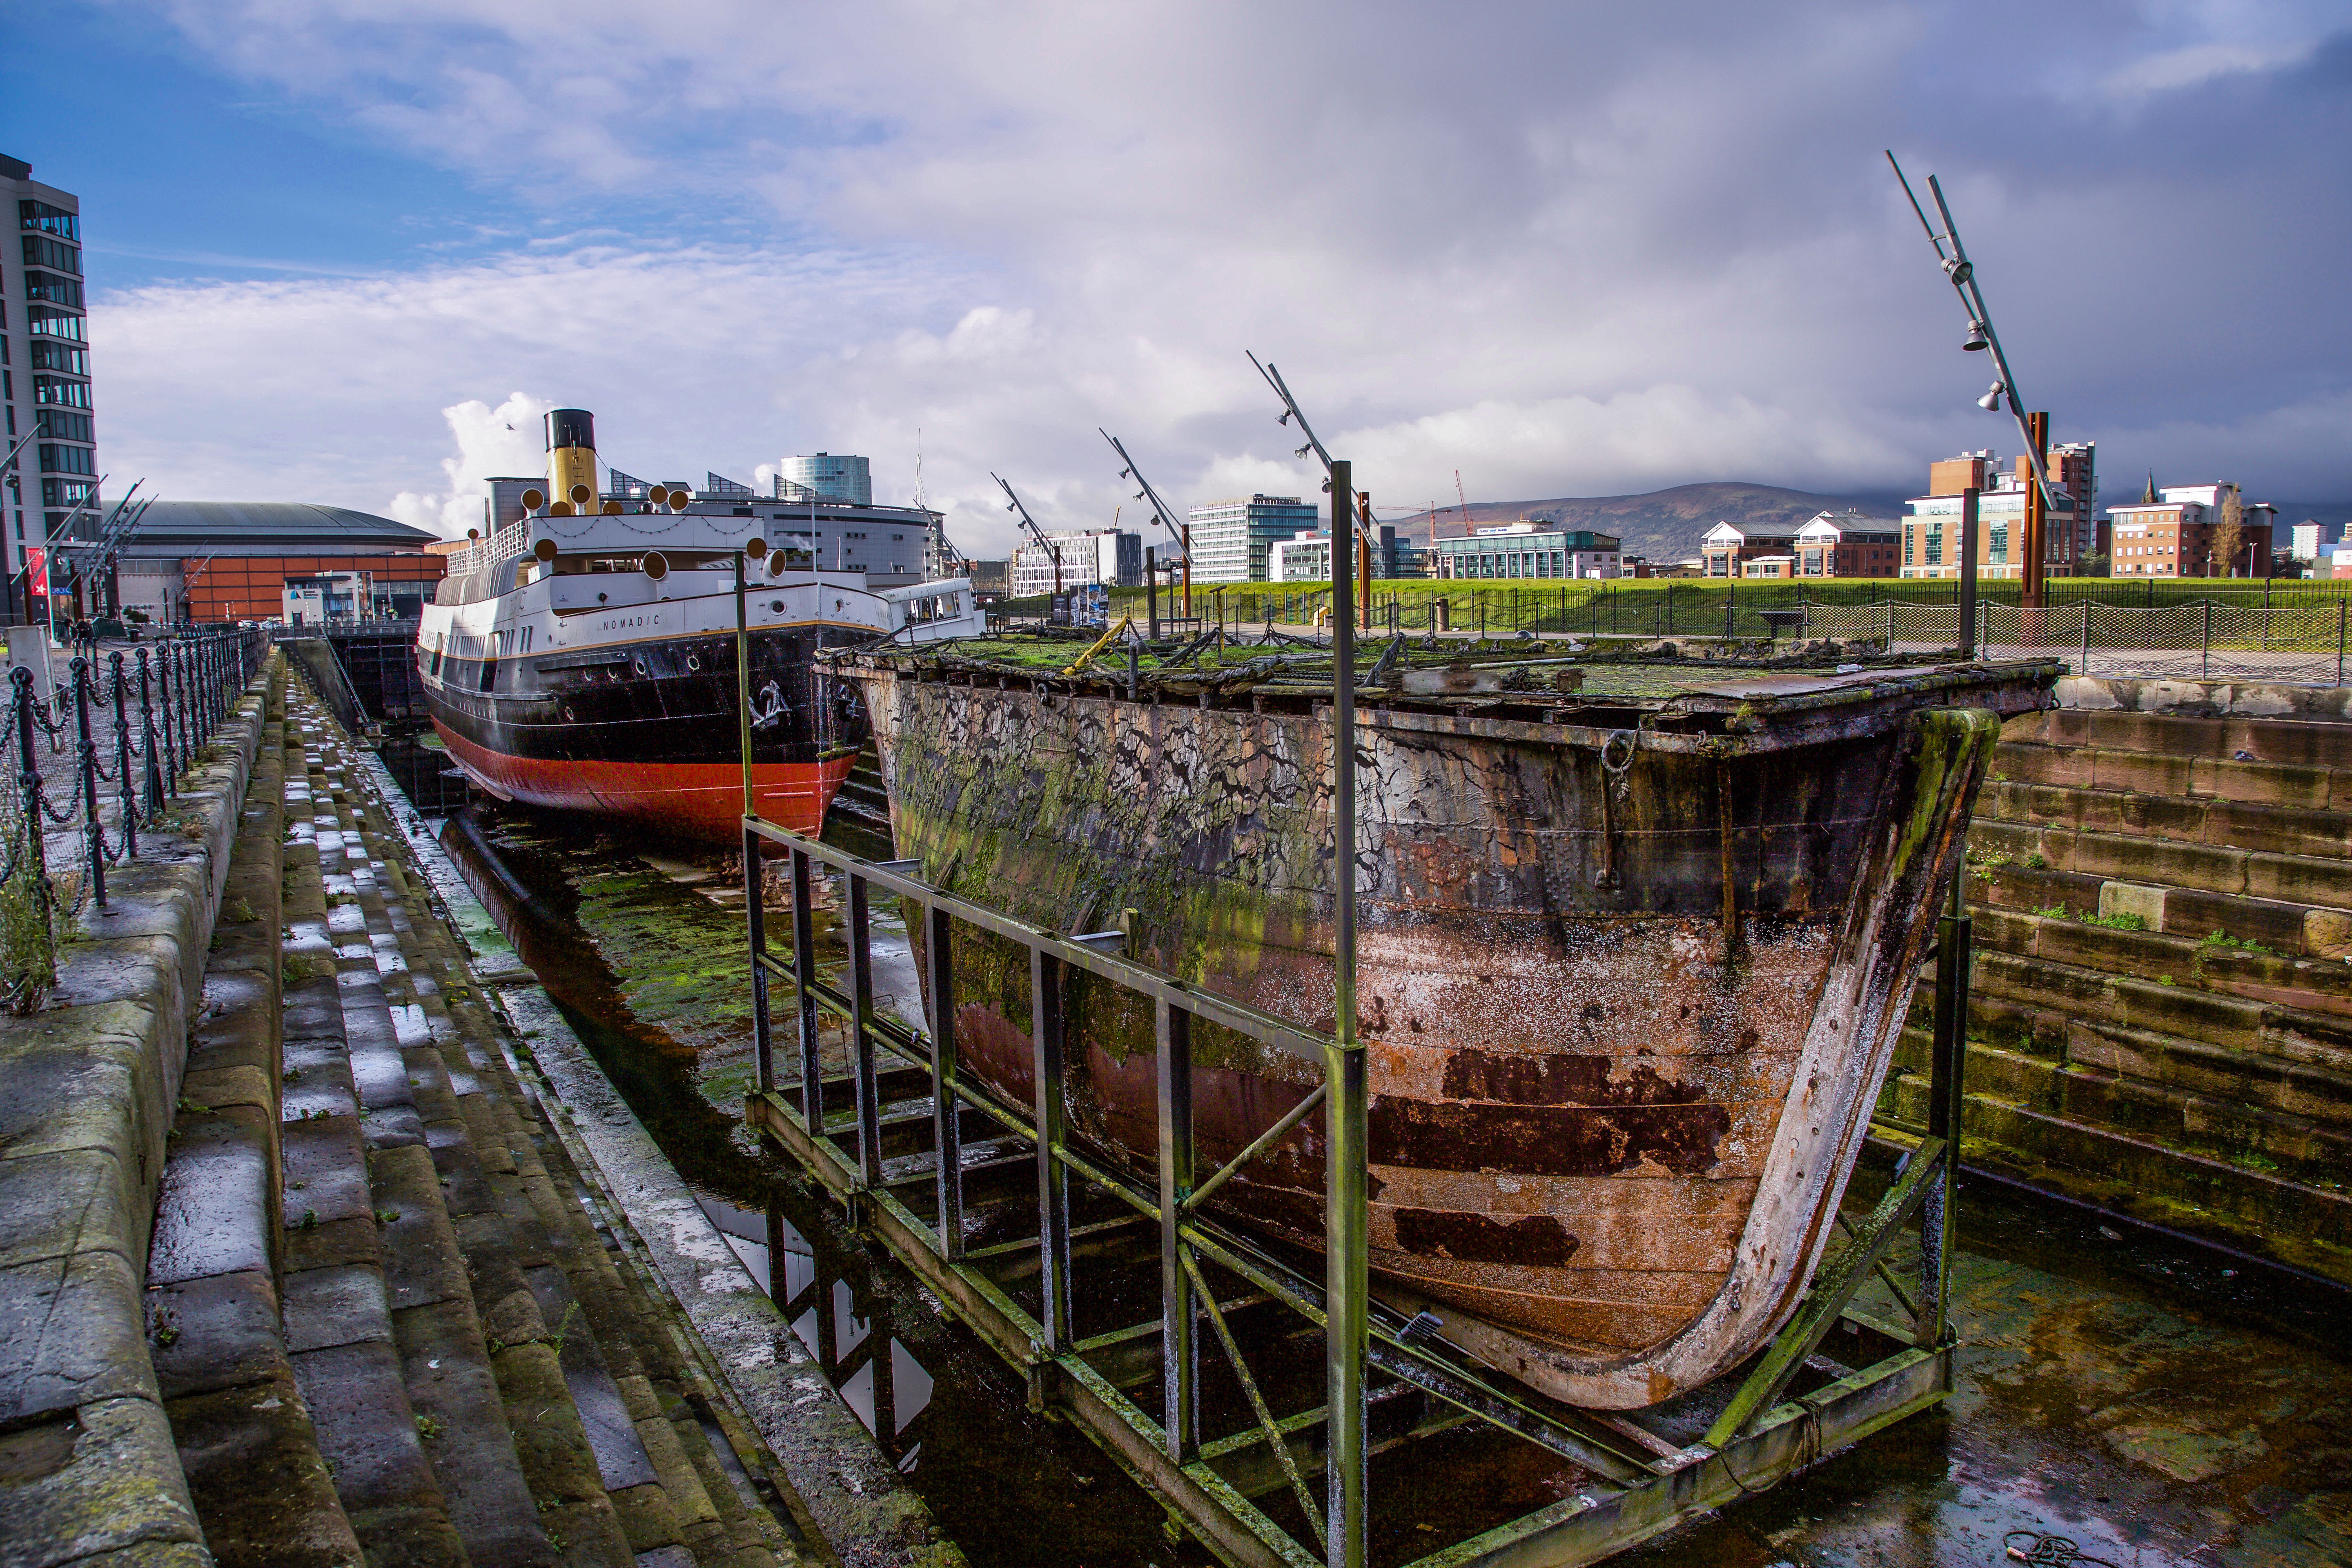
(1663, 525)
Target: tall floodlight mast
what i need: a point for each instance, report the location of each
(1347, 1279)
(2034, 428)
(1160, 510)
(1357, 508)
(1052, 550)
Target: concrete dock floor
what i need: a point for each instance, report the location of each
(2133, 1398)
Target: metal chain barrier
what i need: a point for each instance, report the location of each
(186, 690)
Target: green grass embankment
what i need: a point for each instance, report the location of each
(1663, 606)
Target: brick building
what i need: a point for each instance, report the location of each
(1931, 534)
(2175, 532)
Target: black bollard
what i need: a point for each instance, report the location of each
(147, 734)
(91, 832)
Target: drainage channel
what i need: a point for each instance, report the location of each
(2131, 1397)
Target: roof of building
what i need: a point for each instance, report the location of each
(268, 528)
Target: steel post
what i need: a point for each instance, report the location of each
(755, 917)
(1346, 1331)
(861, 1035)
(92, 833)
(1970, 642)
(122, 782)
(743, 720)
(947, 1126)
(147, 729)
(1045, 999)
(1179, 1352)
(1945, 1105)
(28, 784)
(804, 997)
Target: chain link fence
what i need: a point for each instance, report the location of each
(2303, 643)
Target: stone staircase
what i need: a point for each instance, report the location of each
(391, 1322)
(2161, 1001)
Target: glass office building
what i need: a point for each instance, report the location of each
(44, 375)
(826, 477)
(1232, 539)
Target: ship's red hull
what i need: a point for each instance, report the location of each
(698, 800)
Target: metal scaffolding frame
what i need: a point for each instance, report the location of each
(1388, 1377)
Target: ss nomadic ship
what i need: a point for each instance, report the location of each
(583, 655)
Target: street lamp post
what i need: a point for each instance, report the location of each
(1981, 338)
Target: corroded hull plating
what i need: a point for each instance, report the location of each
(1624, 1024)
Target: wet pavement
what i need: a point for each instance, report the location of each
(2153, 1404)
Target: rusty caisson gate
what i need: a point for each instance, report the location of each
(1167, 1055)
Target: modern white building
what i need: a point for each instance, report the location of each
(826, 477)
(1231, 540)
(1305, 557)
(2311, 541)
(1104, 555)
(321, 596)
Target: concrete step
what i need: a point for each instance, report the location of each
(2292, 742)
(2298, 930)
(2070, 934)
(2154, 773)
(2324, 883)
(737, 1526)
(2235, 1202)
(337, 1296)
(246, 1444)
(2165, 1090)
(411, 1118)
(2298, 1062)
(2188, 819)
(507, 1255)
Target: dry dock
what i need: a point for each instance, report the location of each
(325, 1240)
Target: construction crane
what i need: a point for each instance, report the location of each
(1160, 511)
(1051, 549)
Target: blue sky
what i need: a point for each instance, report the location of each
(339, 247)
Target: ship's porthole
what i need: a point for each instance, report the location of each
(775, 606)
(638, 665)
(693, 661)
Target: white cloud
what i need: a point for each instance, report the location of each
(1563, 250)
(2197, 64)
(505, 441)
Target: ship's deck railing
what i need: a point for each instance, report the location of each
(502, 545)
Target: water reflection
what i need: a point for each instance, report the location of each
(887, 1390)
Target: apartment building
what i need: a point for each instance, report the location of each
(44, 378)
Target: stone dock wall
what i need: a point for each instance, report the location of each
(2160, 874)
(88, 1090)
(301, 1263)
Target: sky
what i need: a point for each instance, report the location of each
(348, 250)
